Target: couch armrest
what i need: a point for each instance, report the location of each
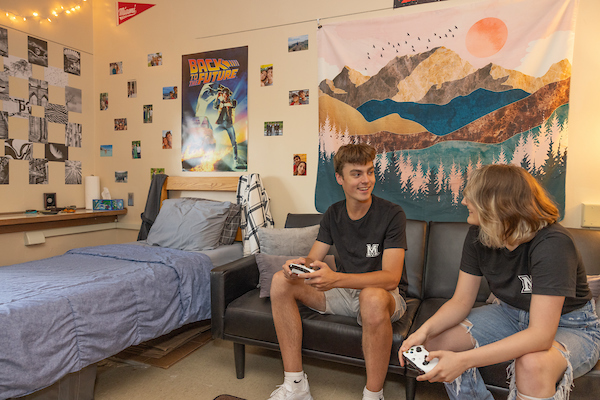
(227, 283)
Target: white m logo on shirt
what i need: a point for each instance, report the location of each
(373, 250)
(526, 284)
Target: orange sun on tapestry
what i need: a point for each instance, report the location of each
(486, 37)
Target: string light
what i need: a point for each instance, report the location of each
(37, 16)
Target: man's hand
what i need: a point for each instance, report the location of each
(287, 271)
(323, 279)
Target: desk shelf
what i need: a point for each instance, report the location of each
(21, 222)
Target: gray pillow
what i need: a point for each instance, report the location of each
(232, 223)
(188, 224)
(268, 265)
(287, 241)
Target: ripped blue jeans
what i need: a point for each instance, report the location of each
(578, 332)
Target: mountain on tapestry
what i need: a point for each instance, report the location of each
(433, 118)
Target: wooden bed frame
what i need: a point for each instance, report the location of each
(201, 184)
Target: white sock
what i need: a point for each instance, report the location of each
(368, 395)
(295, 380)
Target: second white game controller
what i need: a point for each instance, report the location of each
(417, 357)
(300, 269)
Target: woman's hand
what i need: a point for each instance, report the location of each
(416, 339)
(449, 367)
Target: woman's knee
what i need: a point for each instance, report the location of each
(536, 370)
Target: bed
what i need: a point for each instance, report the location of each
(62, 314)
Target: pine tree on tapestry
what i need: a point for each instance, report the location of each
(432, 185)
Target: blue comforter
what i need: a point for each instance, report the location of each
(61, 314)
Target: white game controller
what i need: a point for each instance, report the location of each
(416, 356)
(300, 269)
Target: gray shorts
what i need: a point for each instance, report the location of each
(341, 301)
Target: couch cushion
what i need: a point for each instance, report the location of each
(250, 317)
(444, 252)
(414, 259)
(302, 220)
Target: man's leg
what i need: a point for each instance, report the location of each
(284, 296)
(231, 132)
(376, 307)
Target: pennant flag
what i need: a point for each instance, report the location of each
(127, 11)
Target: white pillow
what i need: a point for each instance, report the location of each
(187, 224)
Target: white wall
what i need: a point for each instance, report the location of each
(184, 27)
(583, 164)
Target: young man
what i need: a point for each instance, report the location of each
(370, 282)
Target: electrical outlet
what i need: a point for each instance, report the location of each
(590, 215)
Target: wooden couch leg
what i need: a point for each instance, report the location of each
(239, 353)
(411, 388)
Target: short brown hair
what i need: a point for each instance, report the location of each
(511, 204)
(360, 154)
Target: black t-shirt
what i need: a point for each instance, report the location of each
(549, 264)
(360, 244)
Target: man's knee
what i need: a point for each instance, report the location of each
(279, 285)
(376, 305)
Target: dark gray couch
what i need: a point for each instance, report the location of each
(432, 264)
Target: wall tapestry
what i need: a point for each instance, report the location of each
(441, 93)
(214, 110)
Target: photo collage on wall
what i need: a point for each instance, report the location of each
(39, 77)
(164, 139)
(295, 97)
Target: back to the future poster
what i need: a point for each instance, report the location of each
(214, 111)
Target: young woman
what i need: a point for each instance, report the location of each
(543, 318)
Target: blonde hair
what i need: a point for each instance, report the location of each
(360, 154)
(511, 204)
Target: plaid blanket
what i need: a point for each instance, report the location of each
(255, 210)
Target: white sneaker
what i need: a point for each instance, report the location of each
(284, 392)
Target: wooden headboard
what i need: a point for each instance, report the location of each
(201, 184)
